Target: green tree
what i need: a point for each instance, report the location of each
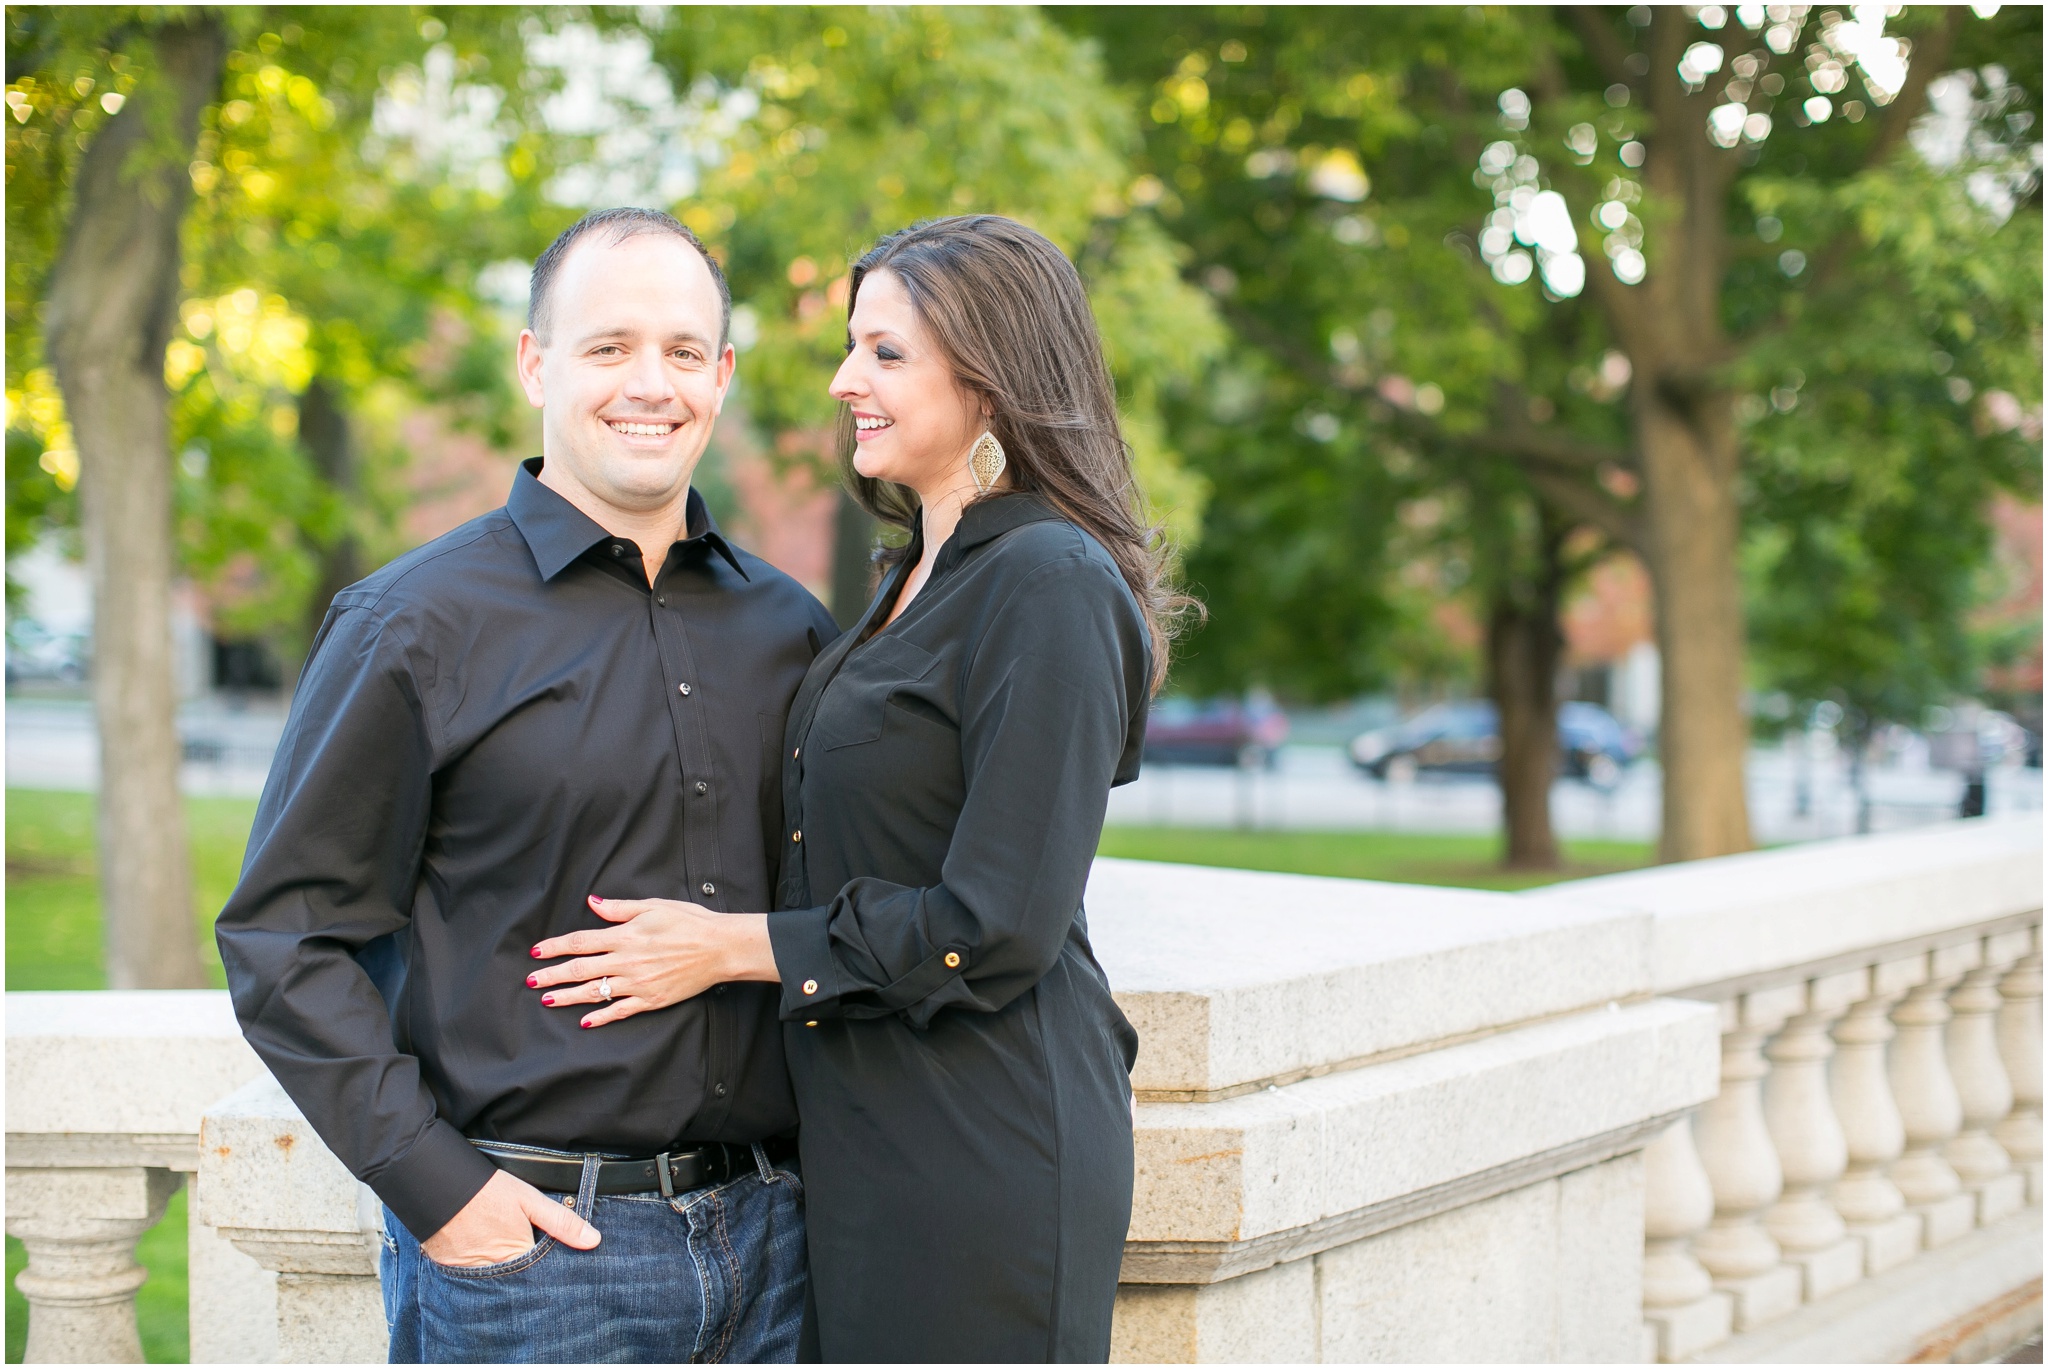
(120, 118)
(1598, 235)
(859, 122)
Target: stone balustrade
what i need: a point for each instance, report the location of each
(1867, 1183)
(1778, 1107)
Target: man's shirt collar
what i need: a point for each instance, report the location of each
(557, 532)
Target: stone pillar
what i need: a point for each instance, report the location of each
(1928, 1102)
(269, 1186)
(80, 1227)
(1985, 1092)
(2019, 1045)
(1866, 1197)
(1680, 1302)
(1742, 1165)
(1812, 1152)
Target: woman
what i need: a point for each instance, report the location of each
(961, 1071)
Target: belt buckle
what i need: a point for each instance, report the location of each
(664, 1177)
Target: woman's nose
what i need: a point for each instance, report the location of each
(844, 386)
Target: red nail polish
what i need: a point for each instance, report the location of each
(536, 953)
(595, 899)
(547, 1000)
(533, 981)
(587, 1024)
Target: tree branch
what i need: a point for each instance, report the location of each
(1597, 36)
(1927, 61)
(1588, 504)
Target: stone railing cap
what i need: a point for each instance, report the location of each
(1739, 916)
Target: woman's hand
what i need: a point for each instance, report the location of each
(659, 952)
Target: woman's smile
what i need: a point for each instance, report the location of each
(867, 426)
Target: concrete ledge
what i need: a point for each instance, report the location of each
(90, 1150)
(1912, 1310)
(1199, 1262)
(1237, 979)
(268, 1184)
(174, 1053)
(1721, 922)
(1215, 1176)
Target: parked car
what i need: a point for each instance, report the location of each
(36, 653)
(1463, 737)
(1214, 732)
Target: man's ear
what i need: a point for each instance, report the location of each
(728, 362)
(529, 367)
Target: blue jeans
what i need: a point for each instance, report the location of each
(710, 1276)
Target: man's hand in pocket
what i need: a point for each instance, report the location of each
(498, 1225)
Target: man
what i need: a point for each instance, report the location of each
(581, 693)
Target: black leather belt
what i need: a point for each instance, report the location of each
(678, 1171)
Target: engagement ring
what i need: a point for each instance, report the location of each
(604, 988)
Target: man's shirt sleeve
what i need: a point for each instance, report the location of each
(332, 864)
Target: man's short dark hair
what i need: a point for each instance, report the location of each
(617, 225)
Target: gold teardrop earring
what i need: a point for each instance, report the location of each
(986, 462)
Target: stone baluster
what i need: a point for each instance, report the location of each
(1982, 1084)
(2019, 1045)
(1866, 1197)
(80, 1227)
(1679, 1299)
(1928, 1102)
(1812, 1151)
(1742, 1164)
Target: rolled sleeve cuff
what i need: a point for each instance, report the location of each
(433, 1180)
(803, 957)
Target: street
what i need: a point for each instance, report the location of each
(51, 744)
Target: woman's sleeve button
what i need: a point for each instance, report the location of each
(952, 960)
(810, 986)
(810, 1024)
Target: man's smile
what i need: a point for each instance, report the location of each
(660, 427)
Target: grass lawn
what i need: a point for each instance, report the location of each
(1467, 862)
(53, 942)
(53, 938)
(53, 902)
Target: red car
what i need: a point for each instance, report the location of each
(1214, 732)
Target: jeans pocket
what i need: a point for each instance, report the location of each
(519, 1263)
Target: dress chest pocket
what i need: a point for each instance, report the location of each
(851, 710)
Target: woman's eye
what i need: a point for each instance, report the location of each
(887, 354)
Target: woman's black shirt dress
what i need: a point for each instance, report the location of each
(962, 1073)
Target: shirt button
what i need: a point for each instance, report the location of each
(661, 599)
(810, 986)
(952, 960)
(718, 1089)
(709, 887)
(810, 1024)
(796, 836)
(618, 550)
(703, 788)
(683, 689)
(796, 753)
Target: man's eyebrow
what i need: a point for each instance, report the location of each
(618, 334)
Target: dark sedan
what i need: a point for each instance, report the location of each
(1464, 738)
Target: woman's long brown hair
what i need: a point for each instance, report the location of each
(1009, 312)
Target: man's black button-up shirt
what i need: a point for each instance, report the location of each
(489, 730)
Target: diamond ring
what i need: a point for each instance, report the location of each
(604, 988)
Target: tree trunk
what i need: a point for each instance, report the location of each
(1689, 465)
(853, 562)
(1523, 646)
(112, 302)
(329, 440)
